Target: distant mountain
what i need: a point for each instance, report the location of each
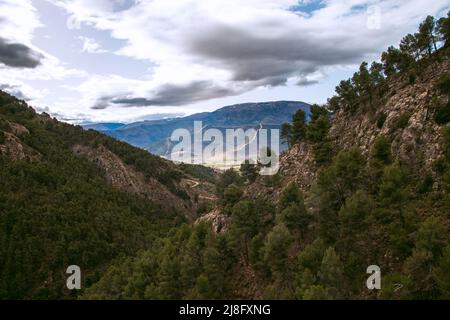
(154, 135)
(104, 126)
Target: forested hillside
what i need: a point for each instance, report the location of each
(366, 182)
(59, 206)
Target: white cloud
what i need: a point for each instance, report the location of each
(21, 90)
(18, 20)
(90, 45)
(241, 45)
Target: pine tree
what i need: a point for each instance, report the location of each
(277, 246)
(228, 178)
(427, 36)
(410, 46)
(317, 111)
(347, 95)
(286, 134)
(249, 171)
(381, 150)
(395, 61)
(331, 273)
(393, 188)
(377, 80)
(245, 226)
(295, 217)
(443, 26)
(361, 81)
(441, 274)
(292, 209)
(432, 236)
(291, 195)
(298, 126)
(257, 251)
(232, 194)
(318, 129)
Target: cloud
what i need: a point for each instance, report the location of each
(18, 55)
(91, 46)
(228, 46)
(304, 82)
(169, 95)
(21, 90)
(269, 60)
(18, 20)
(14, 91)
(20, 59)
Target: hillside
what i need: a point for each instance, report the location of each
(154, 135)
(365, 182)
(70, 196)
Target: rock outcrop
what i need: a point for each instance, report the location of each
(126, 178)
(407, 121)
(415, 141)
(12, 145)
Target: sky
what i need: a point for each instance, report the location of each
(131, 60)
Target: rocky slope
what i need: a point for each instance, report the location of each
(407, 112)
(416, 140)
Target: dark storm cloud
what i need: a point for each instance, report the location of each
(304, 82)
(102, 103)
(170, 95)
(18, 55)
(271, 60)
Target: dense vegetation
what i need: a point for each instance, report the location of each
(57, 209)
(286, 252)
(362, 210)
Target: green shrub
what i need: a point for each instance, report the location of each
(440, 165)
(401, 122)
(381, 150)
(442, 114)
(446, 142)
(412, 78)
(323, 153)
(381, 120)
(426, 184)
(233, 193)
(444, 84)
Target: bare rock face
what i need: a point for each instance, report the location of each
(18, 129)
(408, 112)
(12, 147)
(298, 165)
(126, 178)
(409, 121)
(219, 221)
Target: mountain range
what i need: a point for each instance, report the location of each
(154, 135)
